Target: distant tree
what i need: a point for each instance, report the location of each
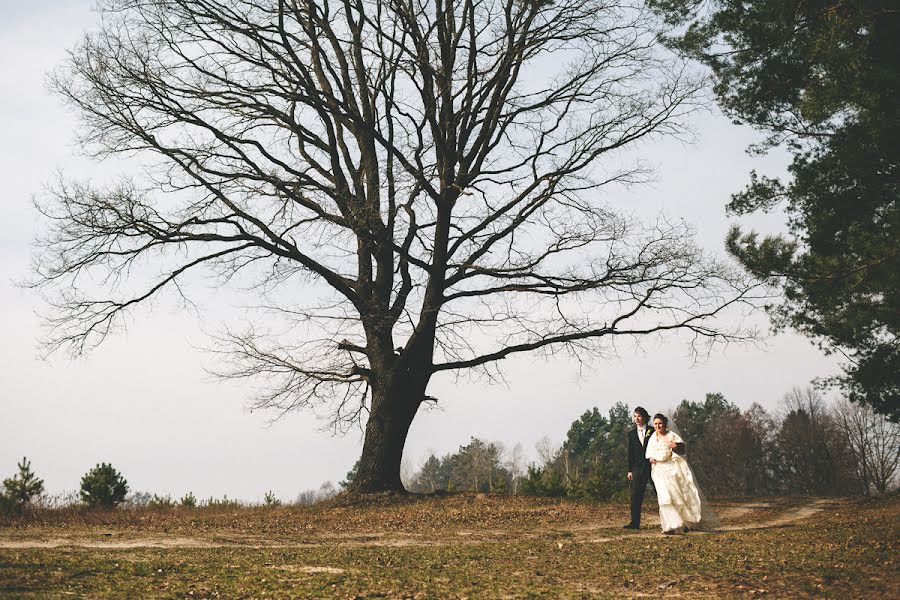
(188, 500)
(735, 455)
(515, 464)
(696, 420)
(874, 444)
(822, 78)
(431, 477)
(307, 497)
(756, 451)
(351, 475)
(477, 466)
(591, 461)
(547, 451)
(547, 477)
(433, 170)
(543, 481)
(103, 487)
(327, 490)
(707, 428)
(582, 446)
(139, 499)
(811, 458)
(21, 489)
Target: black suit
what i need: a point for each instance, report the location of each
(639, 467)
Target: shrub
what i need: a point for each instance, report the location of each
(161, 502)
(138, 500)
(225, 502)
(103, 487)
(351, 475)
(543, 482)
(271, 500)
(325, 492)
(188, 500)
(62, 500)
(6, 505)
(20, 490)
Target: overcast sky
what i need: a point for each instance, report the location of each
(144, 402)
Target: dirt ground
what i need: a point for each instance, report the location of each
(736, 516)
(466, 545)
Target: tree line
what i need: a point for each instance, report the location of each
(806, 447)
(104, 487)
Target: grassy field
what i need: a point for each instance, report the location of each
(456, 546)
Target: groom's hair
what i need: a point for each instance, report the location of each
(640, 410)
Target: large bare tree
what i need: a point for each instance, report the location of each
(431, 169)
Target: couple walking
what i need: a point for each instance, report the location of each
(655, 453)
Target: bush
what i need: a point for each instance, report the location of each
(225, 502)
(325, 492)
(188, 500)
(543, 482)
(6, 505)
(20, 490)
(103, 487)
(161, 502)
(137, 500)
(271, 500)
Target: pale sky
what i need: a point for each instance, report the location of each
(144, 402)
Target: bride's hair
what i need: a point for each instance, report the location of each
(662, 418)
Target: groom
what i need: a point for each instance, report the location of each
(638, 465)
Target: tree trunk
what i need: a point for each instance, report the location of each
(390, 416)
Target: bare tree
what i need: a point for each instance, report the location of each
(515, 463)
(431, 169)
(811, 457)
(874, 444)
(547, 451)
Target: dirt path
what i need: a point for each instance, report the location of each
(584, 533)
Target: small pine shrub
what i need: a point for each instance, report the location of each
(20, 490)
(188, 500)
(161, 502)
(103, 487)
(7, 506)
(223, 503)
(271, 500)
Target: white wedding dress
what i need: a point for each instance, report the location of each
(681, 504)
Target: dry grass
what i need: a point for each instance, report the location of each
(453, 546)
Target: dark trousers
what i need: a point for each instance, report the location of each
(638, 487)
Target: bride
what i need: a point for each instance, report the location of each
(681, 504)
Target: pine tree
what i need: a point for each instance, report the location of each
(21, 489)
(103, 486)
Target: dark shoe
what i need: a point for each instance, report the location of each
(631, 526)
